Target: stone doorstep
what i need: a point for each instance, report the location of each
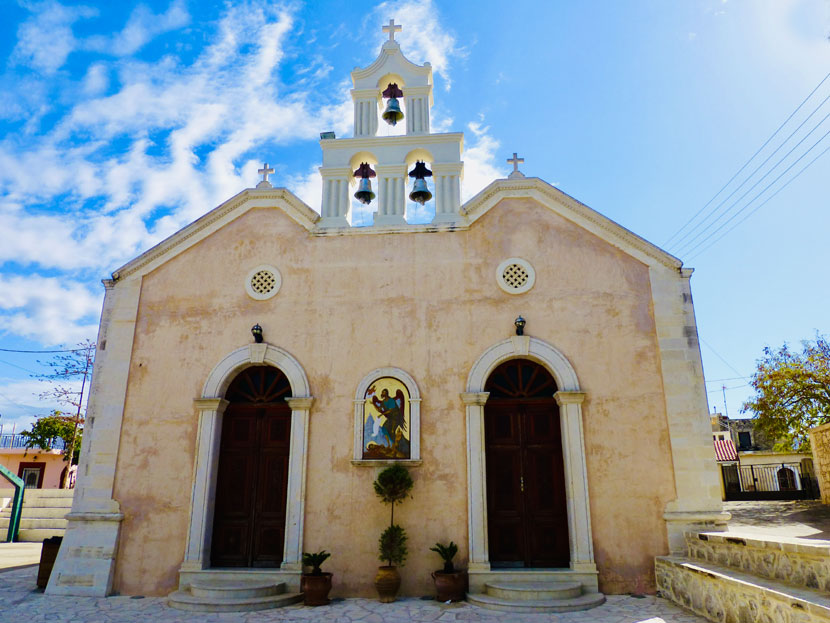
(585, 601)
(814, 602)
(793, 545)
(183, 600)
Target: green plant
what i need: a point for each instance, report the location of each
(392, 545)
(314, 560)
(446, 552)
(392, 485)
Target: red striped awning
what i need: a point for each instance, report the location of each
(725, 450)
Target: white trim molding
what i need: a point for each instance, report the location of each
(414, 416)
(211, 407)
(569, 398)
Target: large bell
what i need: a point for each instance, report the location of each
(364, 192)
(420, 193)
(393, 113)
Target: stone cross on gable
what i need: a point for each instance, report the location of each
(515, 160)
(265, 171)
(392, 28)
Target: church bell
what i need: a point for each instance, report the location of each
(364, 192)
(420, 193)
(393, 113)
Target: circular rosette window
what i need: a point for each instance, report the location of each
(263, 282)
(515, 275)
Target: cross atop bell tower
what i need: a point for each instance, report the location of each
(392, 28)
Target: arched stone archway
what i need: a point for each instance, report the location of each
(570, 398)
(211, 406)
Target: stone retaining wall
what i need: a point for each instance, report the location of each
(799, 563)
(820, 440)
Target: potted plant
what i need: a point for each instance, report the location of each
(317, 584)
(392, 485)
(451, 585)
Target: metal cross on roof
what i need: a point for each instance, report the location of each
(265, 171)
(392, 28)
(515, 160)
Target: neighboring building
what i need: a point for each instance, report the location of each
(39, 469)
(752, 470)
(577, 445)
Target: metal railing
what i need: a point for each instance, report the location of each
(773, 481)
(19, 441)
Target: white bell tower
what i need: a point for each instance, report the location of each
(391, 157)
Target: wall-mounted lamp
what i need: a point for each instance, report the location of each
(520, 325)
(256, 331)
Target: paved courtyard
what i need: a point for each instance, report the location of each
(20, 602)
(804, 519)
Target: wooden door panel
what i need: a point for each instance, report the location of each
(252, 479)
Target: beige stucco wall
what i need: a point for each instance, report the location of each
(424, 302)
(820, 441)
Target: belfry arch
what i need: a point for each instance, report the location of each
(211, 406)
(569, 397)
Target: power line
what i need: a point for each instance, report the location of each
(689, 245)
(731, 218)
(760, 205)
(70, 350)
(751, 175)
(14, 365)
(732, 378)
(709, 346)
(665, 244)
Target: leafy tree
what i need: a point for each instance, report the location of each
(792, 393)
(49, 428)
(67, 370)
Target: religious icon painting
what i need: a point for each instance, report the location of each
(386, 425)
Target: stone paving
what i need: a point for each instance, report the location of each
(20, 602)
(804, 519)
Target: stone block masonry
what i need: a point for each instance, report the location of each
(820, 440)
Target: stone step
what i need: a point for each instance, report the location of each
(721, 593)
(532, 591)
(185, 600)
(802, 562)
(48, 502)
(29, 523)
(37, 535)
(31, 494)
(238, 589)
(571, 604)
(44, 513)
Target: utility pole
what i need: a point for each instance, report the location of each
(725, 408)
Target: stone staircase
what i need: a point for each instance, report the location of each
(730, 577)
(43, 515)
(546, 596)
(237, 595)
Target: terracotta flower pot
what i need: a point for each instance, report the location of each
(316, 589)
(387, 583)
(450, 586)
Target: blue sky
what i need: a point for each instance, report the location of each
(122, 122)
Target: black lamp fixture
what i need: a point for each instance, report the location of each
(256, 331)
(520, 325)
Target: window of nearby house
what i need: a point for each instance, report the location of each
(744, 440)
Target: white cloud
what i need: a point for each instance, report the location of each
(141, 28)
(20, 403)
(45, 40)
(48, 309)
(480, 159)
(422, 36)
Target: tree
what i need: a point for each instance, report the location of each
(792, 393)
(47, 429)
(67, 368)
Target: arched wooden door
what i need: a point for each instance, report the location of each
(527, 515)
(251, 487)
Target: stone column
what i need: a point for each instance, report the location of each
(447, 178)
(292, 558)
(576, 480)
(476, 484)
(366, 114)
(391, 179)
(86, 560)
(418, 101)
(209, 435)
(335, 208)
(698, 503)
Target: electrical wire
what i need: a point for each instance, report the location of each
(792, 114)
(70, 350)
(759, 206)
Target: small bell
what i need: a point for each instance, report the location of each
(420, 193)
(393, 113)
(364, 192)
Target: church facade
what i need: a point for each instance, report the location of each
(534, 365)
